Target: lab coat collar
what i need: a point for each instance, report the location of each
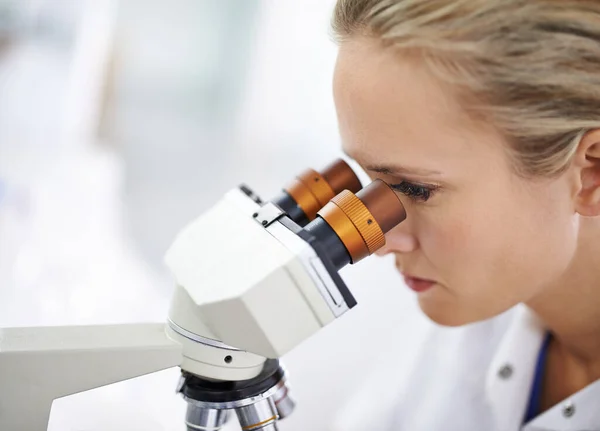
(510, 376)
(509, 380)
(579, 412)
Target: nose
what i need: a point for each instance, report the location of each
(399, 240)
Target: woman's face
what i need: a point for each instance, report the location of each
(486, 237)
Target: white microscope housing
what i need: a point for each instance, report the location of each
(253, 280)
(260, 288)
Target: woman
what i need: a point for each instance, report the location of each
(485, 117)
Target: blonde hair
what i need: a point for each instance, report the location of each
(529, 67)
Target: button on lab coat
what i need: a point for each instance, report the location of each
(473, 378)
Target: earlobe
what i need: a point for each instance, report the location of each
(590, 206)
(588, 158)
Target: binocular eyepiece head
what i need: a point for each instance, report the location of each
(333, 202)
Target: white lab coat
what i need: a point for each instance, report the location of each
(473, 378)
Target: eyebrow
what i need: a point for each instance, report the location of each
(400, 170)
(393, 170)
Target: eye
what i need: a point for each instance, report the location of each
(414, 191)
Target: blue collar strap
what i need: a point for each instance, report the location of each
(535, 397)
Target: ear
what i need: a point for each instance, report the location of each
(587, 159)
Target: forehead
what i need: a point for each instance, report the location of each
(389, 103)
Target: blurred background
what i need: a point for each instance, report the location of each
(120, 121)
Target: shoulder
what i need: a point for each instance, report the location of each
(446, 375)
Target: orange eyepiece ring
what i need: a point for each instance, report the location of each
(354, 224)
(312, 190)
(361, 221)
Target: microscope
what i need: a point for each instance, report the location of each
(253, 280)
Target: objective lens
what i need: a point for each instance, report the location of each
(205, 419)
(261, 415)
(311, 190)
(284, 403)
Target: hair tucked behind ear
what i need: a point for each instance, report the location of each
(530, 67)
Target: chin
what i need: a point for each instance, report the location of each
(449, 314)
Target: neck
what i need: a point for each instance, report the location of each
(570, 307)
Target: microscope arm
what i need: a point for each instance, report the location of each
(38, 365)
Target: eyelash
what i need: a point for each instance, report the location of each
(414, 191)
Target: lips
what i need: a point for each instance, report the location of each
(418, 284)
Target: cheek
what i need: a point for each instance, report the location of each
(501, 248)
(450, 243)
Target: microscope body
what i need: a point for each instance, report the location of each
(238, 285)
(251, 284)
(245, 279)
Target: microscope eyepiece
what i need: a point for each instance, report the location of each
(384, 205)
(311, 190)
(354, 226)
(340, 177)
